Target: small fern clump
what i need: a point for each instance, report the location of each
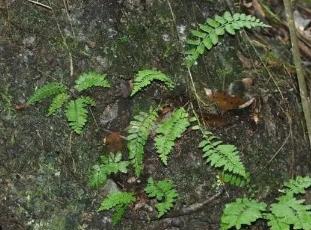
(164, 192)
(119, 201)
(224, 156)
(145, 77)
(139, 131)
(75, 111)
(168, 131)
(288, 212)
(109, 165)
(208, 33)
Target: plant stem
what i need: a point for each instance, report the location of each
(305, 100)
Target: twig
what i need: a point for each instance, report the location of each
(277, 152)
(305, 100)
(40, 4)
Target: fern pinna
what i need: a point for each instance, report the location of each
(224, 156)
(145, 77)
(164, 192)
(139, 131)
(119, 201)
(168, 131)
(208, 33)
(91, 79)
(109, 164)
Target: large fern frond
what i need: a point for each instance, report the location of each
(57, 102)
(224, 156)
(145, 77)
(46, 91)
(91, 79)
(168, 131)
(109, 165)
(139, 130)
(290, 212)
(76, 113)
(209, 33)
(241, 211)
(164, 192)
(119, 201)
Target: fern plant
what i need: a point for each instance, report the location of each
(225, 157)
(108, 165)
(76, 112)
(145, 77)
(164, 192)
(241, 211)
(139, 131)
(168, 131)
(286, 213)
(119, 201)
(209, 33)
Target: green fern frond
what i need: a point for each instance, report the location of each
(241, 211)
(145, 77)
(109, 165)
(289, 212)
(224, 156)
(139, 131)
(91, 79)
(297, 185)
(119, 201)
(208, 34)
(164, 192)
(57, 103)
(46, 91)
(76, 113)
(168, 131)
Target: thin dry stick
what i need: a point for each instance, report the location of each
(40, 4)
(305, 100)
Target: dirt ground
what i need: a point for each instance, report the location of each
(44, 166)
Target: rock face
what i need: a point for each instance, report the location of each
(44, 167)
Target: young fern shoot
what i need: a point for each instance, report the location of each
(208, 34)
(170, 130)
(164, 192)
(145, 77)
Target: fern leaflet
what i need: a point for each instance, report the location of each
(109, 165)
(168, 131)
(139, 131)
(91, 79)
(297, 185)
(57, 103)
(46, 91)
(164, 192)
(208, 33)
(224, 156)
(119, 201)
(241, 211)
(76, 113)
(145, 77)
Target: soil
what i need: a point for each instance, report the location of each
(44, 166)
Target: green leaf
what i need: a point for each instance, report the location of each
(76, 113)
(297, 185)
(229, 28)
(57, 103)
(168, 131)
(214, 38)
(241, 212)
(164, 192)
(48, 90)
(212, 23)
(91, 79)
(145, 77)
